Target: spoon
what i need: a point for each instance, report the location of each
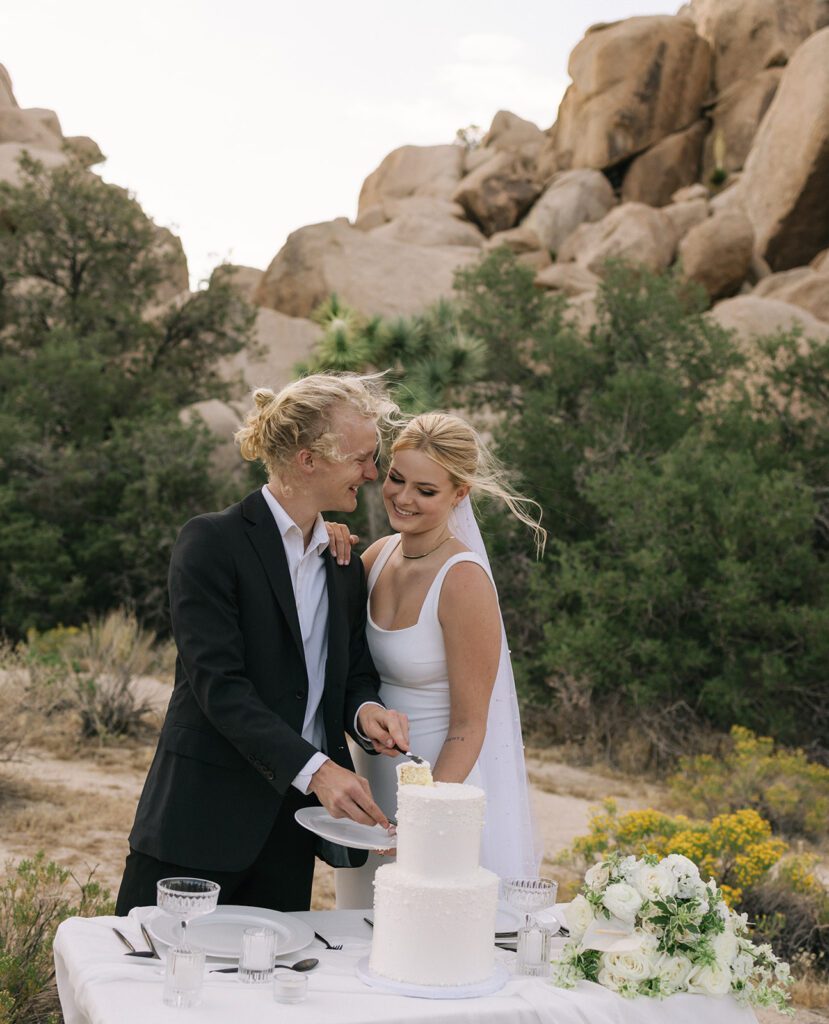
(301, 965)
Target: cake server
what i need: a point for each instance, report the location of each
(407, 753)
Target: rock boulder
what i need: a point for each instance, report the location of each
(413, 171)
(803, 286)
(717, 252)
(673, 163)
(499, 192)
(632, 231)
(572, 198)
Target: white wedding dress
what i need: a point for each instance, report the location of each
(411, 663)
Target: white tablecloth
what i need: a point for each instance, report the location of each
(98, 985)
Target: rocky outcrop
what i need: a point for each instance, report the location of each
(567, 278)
(499, 192)
(786, 178)
(244, 279)
(634, 83)
(572, 198)
(747, 36)
(804, 286)
(510, 133)
(671, 164)
(280, 343)
(717, 252)
(413, 171)
(752, 316)
(421, 229)
(735, 118)
(632, 231)
(686, 215)
(375, 276)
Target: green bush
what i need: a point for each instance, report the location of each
(97, 472)
(781, 784)
(34, 898)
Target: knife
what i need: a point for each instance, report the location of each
(149, 940)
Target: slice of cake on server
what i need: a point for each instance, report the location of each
(435, 908)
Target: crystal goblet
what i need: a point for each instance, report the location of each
(186, 898)
(530, 894)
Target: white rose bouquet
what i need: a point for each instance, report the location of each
(652, 927)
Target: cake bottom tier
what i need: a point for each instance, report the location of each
(433, 934)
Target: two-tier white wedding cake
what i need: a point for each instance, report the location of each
(434, 909)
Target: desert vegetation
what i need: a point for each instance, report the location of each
(678, 627)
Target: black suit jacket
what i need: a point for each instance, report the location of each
(231, 741)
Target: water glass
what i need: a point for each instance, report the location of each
(289, 987)
(256, 955)
(183, 977)
(534, 942)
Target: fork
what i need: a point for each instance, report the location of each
(326, 943)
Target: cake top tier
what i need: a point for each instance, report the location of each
(444, 805)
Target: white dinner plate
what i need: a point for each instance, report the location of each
(220, 932)
(345, 831)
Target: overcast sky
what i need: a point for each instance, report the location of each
(235, 123)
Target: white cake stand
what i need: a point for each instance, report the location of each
(496, 980)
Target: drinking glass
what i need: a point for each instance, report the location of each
(256, 955)
(530, 894)
(183, 977)
(186, 898)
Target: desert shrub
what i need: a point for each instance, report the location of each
(781, 784)
(90, 671)
(12, 691)
(737, 850)
(790, 909)
(34, 898)
(98, 472)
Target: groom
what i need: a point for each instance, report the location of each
(273, 667)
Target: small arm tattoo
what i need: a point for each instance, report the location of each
(450, 738)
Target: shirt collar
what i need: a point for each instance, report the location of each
(319, 535)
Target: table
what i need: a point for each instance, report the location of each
(98, 985)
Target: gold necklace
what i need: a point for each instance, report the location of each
(425, 553)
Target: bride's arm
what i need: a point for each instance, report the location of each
(471, 624)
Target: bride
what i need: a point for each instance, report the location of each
(436, 635)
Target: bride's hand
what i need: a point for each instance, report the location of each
(340, 542)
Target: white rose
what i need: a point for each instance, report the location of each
(725, 947)
(673, 972)
(597, 876)
(579, 914)
(710, 981)
(626, 867)
(653, 881)
(622, 900)
(742, 966)
(610, 980)
(632, 965)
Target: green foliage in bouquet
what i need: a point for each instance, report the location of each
(781, 784)
(34, 898)
(97, 471)
(672, 932)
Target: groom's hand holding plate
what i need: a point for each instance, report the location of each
(387, 729)
(346, 795)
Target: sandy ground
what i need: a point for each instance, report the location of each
(79, 809)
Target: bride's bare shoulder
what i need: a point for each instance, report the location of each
(372, 551)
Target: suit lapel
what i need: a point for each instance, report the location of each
(266, 539)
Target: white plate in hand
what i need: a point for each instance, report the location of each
(220, 932)
(345, 831)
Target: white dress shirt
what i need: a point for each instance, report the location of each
(307, 569)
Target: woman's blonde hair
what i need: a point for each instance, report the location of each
(453, 443)
(280, 424)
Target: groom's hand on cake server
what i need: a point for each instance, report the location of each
(387, 730)
(346, 795)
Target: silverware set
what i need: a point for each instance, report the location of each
(151, 953)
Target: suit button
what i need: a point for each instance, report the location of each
(268, 775)
(300, 695)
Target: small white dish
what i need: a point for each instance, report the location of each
(345, 831)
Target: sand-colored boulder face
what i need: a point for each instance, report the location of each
(413, 171)
(376, 276)
(419, 229)
(10, 153)
(245, 280)
(84, 149)
(569, 278)
(803, 286)
(498, 193)
(572, 198)
(686, 215)
(785, 184)
(176, 275)
(37, 128)
(632, 231)
(749, 35)
(671, 164)
(6, 92)
(282, 342)
(510, 133)
(717, 252)
(735, 119)
(634, 82)
(752, 316)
